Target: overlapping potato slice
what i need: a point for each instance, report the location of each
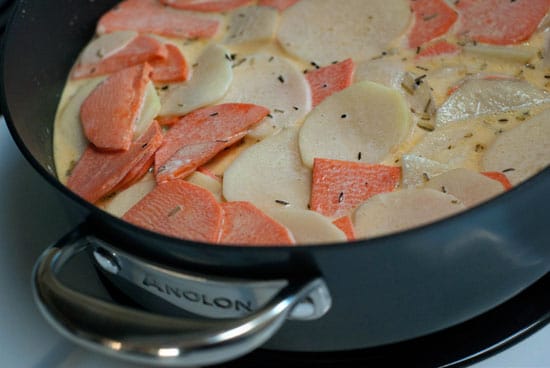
(123, 201)
(366, 118)
(418, 170)
(470, 187)
(456, 145)
(392, 74)
(404, 209)
(68, 138)
(270, 174)
(209, 83)
(323, 31)
(480, 97)
(106, 45)
(273, 82)
(308, 227)
(523, 151)
(252, 24)
(149, 110)
(517, 53)
(207, 182)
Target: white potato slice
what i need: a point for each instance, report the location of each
(456, 145)
(210, 81)
(546, 46)
(206, 182)
(150, 108)
(106, 45)
(441, 78)
(417, 170)
(275, 83)
(270, 174)
(68, 137)
(383, 71)
(489, 96)
(308, 227)
(391, 73)
(401, 210)
(470, 187)
(123, 201)
(522, 151)
(324, 31)
(516, 53)
(366, 117)
(252, 24)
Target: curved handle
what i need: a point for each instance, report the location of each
(149, 338)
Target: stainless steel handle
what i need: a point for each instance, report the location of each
(149, 338)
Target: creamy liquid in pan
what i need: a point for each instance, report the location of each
(440, 73)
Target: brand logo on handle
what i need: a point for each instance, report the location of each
(200, 298)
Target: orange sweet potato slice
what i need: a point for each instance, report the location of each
(179, 209)
(500, 22)
(346, 225)
(151, 16)
(136, 173)
(142, 49)
(503, 179)
(281, 5)
(172, 69)
(244, 224)
(216, 6)
(108, 115)
(168, 121)
(330, 79)
(340, 186)
(438, 48)
(432, 18)
(199, 136)
(98, 173)
(209, 173)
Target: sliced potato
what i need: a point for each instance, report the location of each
(308, 227)
(418, 170)
(210, 81)
(386, 72)
(441, 78)
(68, 137)
(150, 108)
(401, 210)
(273, 82)
(366, 117)
(523, 151)
(123, 201)
(456, 145)
(391, 73)
(546, 45)
(252, 24)
(206, 182)
(106, 45)
(481, 97)
(515, 53)
(470, 187)
(270, 174)
(323, 31)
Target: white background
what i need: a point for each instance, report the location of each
(31, 217)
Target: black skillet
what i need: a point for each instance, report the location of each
(378, 292)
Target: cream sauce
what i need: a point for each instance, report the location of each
(440, 73)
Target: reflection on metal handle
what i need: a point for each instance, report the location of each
(149, 338)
